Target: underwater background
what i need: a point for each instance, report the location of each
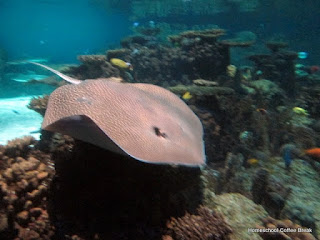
(247, 72)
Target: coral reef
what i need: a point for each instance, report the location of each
(266, 87)
(19, 147)
(278, 66)
(195, 54)
(237, 43)
(25, 174)
(92, 59)
(117, 53)
(203, 82)
(258, 123)
(93, 66)
(270, 192)
(239, 212)
(201, 91)
(302, 214)
(188, 38)
(39, 104)
(233, 177)
(205, 225)
(291, 230)
(275, 46)
(38, 202)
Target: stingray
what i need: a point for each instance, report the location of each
(145, 121)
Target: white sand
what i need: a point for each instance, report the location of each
(16, 120)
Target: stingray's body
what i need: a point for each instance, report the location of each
(144, 121)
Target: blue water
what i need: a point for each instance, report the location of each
(61, 30)
(58, 30)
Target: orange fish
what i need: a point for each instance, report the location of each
(262, 111)
(313, 152)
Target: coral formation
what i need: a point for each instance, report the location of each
(196, 54)
(275, 46)
(237, 43)
(196, 37)
(93, 66)
(205, 225)
(233, 177)
(201, 91)
(203, 82)
(266, 87)
(302, 214)
(92, 59)
(278, 66)
(19, 146)
(270, 192)
(36, 207)
(117, 53)
(294, 231)
(25, 174)
(39, 104)
(239, 212)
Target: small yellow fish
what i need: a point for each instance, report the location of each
(186, 96)
(300, 111)
(262, 111)
(121, 64)
(231, 70)
(252, 161)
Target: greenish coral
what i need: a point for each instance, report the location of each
(240, 213)
(303, 180)
(207, 35)
(299, 120)
(265, 86)
(200, 90)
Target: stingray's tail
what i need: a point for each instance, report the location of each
(65, 77)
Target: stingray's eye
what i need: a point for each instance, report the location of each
(159, 133)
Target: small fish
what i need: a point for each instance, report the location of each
(313, 152)
(262, 111)
(35, 131)
(302, 55)
(231, 70)
(288, 152)
(15, 111)
(186, 96)
(152, 24)
(121, 64)
(252, 161)
(136, 24)
(314, 69)
(287, 157)
(300, 111)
